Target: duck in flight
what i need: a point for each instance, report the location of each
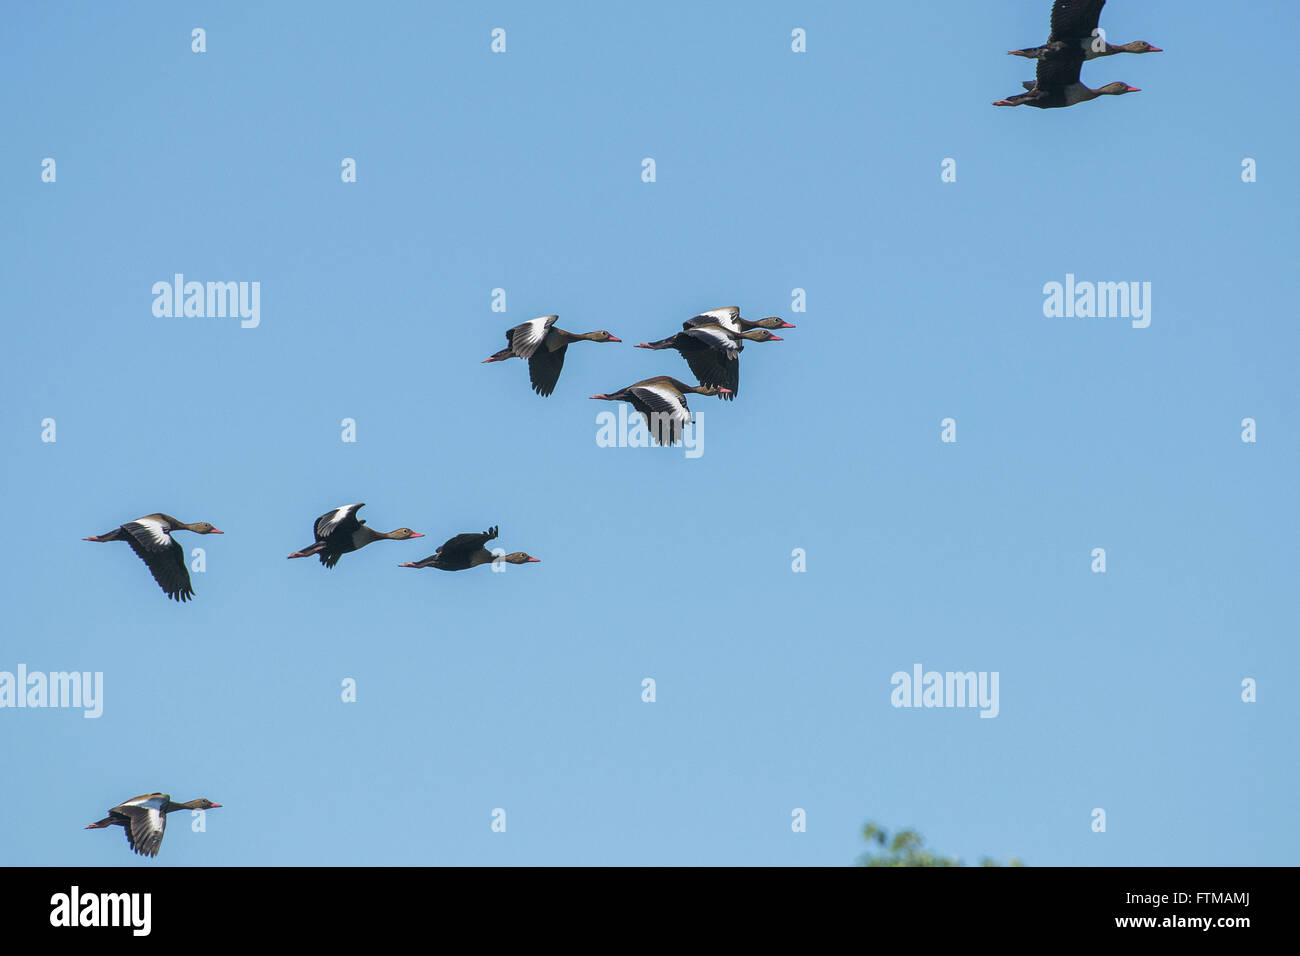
(730, 319)
(466, 551)
(144, 819)
(340, 532)
(543, 345)
(1074, 23)
(661, 401)
(151, 539)
(1061, 60)
(713, 353)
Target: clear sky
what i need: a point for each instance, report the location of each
(775, 171)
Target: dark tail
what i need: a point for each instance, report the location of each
(667, 343)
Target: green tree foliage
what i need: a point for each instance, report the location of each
(907, 848)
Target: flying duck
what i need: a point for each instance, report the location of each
(1074, 23)
(468, 551)
(729, 318)
(339, 532)
(662, 403)
(543, 345)
(713, 353)
(151, 539)
(144, 819)
(1058, 83)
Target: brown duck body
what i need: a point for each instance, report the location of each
(543, 345)
(661, 401)
(465, 551)
(1076, 24)
(341, 532)
(729, 318)
(144, 818)
(151, 539)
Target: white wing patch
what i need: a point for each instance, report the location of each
(155, 530)
(151, 801)
(528, 335)
(667, 394)
(726, 317)
(324, 528)
(716, 338)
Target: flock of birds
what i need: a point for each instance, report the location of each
(336, 533)
(710, 342)
(1061, 58)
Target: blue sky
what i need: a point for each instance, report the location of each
(775, 171)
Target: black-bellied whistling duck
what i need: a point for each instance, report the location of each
(543, 345)
(1073, 24)
(144, 819)
(662, 403)
(468, 551)
(730, 319)
(713, 353)
(151, 538)
(1137, 46)
(339, 532)
(1058, 84)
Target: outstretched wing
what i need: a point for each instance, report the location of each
(332, 521)
(526, 336)
(145, 822)
(467, 542)
(718, 363)
(544, 369)
(1059, 67)
(664, 410)
(727, 317)
(152, 542)
(1075, 19)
